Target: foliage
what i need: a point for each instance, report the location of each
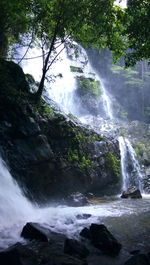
(113, 164)
(14, 20)
(82, 160)
(137, 31)
(76, 69)
(51, 24)
(88, 86)
(140, 149)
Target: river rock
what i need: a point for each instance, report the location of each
(36, 231)
(64, 260)
(18, 255)
(132, 192)
(140, 259)
(102, 239)
(75, 248)
(85, 232)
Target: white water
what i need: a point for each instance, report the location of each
(128, 155)
(16, 210)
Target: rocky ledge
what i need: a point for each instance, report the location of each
(50, 154)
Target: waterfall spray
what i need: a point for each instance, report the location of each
(131, 171)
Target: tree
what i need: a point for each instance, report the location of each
(137, 31)
(53, 23)
(91, 23)
(14, 20)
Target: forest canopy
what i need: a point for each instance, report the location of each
(97, 23)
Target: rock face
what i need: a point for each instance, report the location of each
(102, 239)
(133, 193)
(48, 153)
(18, 255)
(140, 259)
(75, 248)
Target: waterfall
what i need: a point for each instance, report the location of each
(63, 91)
(130, 167)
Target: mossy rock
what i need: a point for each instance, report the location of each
(76, 69)
(88, 86)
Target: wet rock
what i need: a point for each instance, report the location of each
(18, 255)
(77, 200)
(140, 259)
(85, 232)
(132, 192)
(135, 252)
(75, 248)
(36, 231)
(57, 259)
(102, 239)
(83, 216)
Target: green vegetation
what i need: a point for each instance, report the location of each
(42, 23)
(140, 149)
(83, 161)
(88, 86)
(76, 69)
(113, 164)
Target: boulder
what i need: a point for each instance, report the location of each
(85, 232)
(133, 193)
(140, 259)
(18, 255)
(36, 231)
(102, 239)
(75, 248)
(57, 259)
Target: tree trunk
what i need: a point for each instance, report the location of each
(3, 44)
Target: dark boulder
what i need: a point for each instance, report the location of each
(75, 248)
(57, 259)
(36, 231)
(18, 255)
(102, 239)
(133, 193)
(85, 232)
(140, 259)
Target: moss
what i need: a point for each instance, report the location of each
(88, 86)
(113, 164)
(140, 149)
(76, 69)
(83, 161)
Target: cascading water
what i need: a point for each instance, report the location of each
(16, 210)
(63, 91)
(131, 171)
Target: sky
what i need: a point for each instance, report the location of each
(122, 3)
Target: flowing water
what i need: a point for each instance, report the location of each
(122, 217)
(16, 210)
(131, 171)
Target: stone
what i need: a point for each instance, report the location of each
(75, 248)
(18, 255)
(133, 193)
(57, 259)
(102, 239)
(36, 231)
(85, 232)
(140, 259)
